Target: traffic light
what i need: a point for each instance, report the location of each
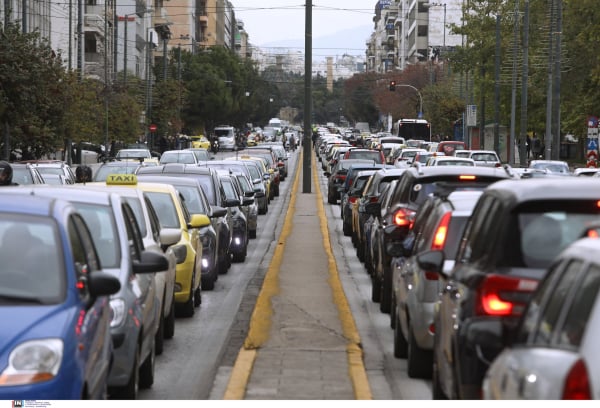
(392, 85)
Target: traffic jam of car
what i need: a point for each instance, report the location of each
(98, 269)
(488, 273)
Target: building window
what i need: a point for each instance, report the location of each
(422, 30)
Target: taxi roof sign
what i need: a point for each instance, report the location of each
(121, 179)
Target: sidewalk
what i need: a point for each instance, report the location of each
(302, 343)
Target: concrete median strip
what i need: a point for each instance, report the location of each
(261, 320)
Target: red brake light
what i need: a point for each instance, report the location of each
(431, 276)
(592, 234)
(404, 218)
(374, 199)
(352, 199)
(577, 384)
(439, 238)
(465, 177)
(500, 295)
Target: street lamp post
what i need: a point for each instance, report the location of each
(420, 115)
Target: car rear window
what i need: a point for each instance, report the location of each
(373, 155)
(538, 232)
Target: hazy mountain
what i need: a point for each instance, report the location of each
(352, 42)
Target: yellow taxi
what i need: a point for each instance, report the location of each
(200, 141)
(173, 214)
(251, 140)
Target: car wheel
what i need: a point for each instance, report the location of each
(130, 390)
(393, 312)
(170, 322)
(386, 292)
(198, 296)
(375, 289)
(419, 360)
(252, 234)
(159, 337)
(436, 387)
(187, 309)
(347, 228)
(400, 343)
(223, 264)
(147, 370)
(208, 282)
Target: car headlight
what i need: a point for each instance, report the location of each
(118, 312)
(180, 252)
(32, 362)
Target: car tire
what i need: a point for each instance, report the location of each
(147, 369)
(436, 387)
(159, 337)
(400, 343)
(419, 361)
(346, 228)
(198, 296)
(187, 309)
(170, 322)
(251, 234)
(386, 293)
(393, 312)
(130, 390)
(375, 289)
(208, 282)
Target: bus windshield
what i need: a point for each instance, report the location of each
(414, 129)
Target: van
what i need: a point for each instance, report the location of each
(226, 136)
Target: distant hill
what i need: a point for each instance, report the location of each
(352, 42)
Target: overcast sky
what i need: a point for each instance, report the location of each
(273, 20)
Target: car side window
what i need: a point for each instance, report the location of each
(134, 237)
(584, 298)
(154, 221)
(468, 246)
(552, 309)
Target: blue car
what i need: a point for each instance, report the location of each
(55, 316)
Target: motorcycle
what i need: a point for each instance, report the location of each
(215, 146)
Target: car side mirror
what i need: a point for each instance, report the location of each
(150, 262)
(432, 261)
(169, 236)
(102, 284)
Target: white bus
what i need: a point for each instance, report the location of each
(413, 129)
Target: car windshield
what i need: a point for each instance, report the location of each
(101, 223)
(552, 167)
(31, 263)
(103, 172)
(178, 157)
(133, 154)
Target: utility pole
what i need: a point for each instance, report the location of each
(524, 94)
(70, 35)
(557, 70)
(497, 90)
(307, 151)
(513, 104)
(548, 135)
(80, 39)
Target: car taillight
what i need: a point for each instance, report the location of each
(577, 383)
(404, 217)
(500, 295)
(374, 199)
(352, 199)
(432, 276)
(439, 237)
(467, 177)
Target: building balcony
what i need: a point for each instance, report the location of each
(94, 22)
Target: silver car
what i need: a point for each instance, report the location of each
(554, 354)
(439, 225)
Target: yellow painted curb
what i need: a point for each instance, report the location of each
(260, 322)
(357, 372)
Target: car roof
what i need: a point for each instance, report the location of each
(73, 192)
(28, 204)
(175, 168)
(427, 171)
(543, 188)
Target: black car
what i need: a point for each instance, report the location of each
(211, 184)
(517, 229)
(239, 236)
(337, 177)
(415, 184)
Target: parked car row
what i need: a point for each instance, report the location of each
(96, 274)
(489, 278)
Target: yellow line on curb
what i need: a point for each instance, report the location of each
(260, 322)
(358, 375)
